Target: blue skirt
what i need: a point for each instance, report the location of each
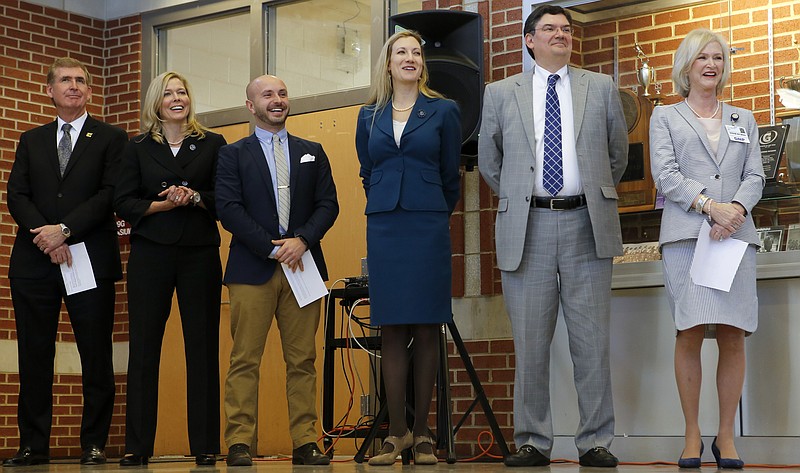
(408, 259)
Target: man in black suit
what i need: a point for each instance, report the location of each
(60, 193)
(275, 214)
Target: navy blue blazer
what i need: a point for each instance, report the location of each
(246, 205)
(148, 167)
(422, 174)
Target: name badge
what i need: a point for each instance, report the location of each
(737, 134)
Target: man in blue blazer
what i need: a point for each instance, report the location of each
(251, 196)
(61, 197)
(554, 169)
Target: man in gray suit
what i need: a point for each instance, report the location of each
(553, 145)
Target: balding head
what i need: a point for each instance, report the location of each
(259, 83)
(268, 101)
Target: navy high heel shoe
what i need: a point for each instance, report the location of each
(728, 463)
(693, 462)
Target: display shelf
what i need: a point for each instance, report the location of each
(778, 221)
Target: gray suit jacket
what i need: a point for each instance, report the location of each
(683, 166)
(506, 148)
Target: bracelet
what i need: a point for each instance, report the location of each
(710, 201)
(701, 202)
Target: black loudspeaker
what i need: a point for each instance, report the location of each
(454, 57)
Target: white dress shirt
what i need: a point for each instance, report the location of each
(572, 178)
(75, 132)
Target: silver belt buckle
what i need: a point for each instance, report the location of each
(553, 200)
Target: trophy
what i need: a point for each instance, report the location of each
(646, 75)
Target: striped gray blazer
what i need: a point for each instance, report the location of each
(683, 166)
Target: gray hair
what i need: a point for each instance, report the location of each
(687, 52)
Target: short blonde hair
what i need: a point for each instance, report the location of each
(151, 108)
(381, 91)
(687, 52)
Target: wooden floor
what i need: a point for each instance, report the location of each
(347, 465)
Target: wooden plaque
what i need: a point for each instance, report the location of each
(636, 189)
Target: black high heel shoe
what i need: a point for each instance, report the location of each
(728, 463)
(693, 462)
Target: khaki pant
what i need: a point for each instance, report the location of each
(252, 310)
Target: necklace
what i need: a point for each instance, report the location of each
(698, 115)
(402, 109)
(176, 143)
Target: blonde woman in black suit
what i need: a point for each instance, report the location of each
(166, 191)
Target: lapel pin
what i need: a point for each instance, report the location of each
(89, 135)
(734, 117)
(421, 114)
(192, 147)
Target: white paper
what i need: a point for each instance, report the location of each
(80, 276)
(715, 262)
(307, 285)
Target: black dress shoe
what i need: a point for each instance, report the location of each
(25, 457)
(133, 460)
(526, 455)
(239, 455)
(309, 454)
(599, 457)
(205, 459)
(93, 455)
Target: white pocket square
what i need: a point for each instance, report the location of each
(307, 158)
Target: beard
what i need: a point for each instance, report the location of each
(268, 119)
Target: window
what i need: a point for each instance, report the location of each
(213, 54)
(320, 46)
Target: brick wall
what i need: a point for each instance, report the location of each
(660, 33)
(31, 37)
(494, 365)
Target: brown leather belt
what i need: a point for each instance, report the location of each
(559, 203)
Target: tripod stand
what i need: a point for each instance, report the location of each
(444, 425)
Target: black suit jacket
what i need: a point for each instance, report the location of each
(38, 195)
(246, 205)
(148, 168)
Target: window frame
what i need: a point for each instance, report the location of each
(262, 17)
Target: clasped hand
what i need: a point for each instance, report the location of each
(51, 241)
(175, 196)
(727, 218)
(290, 252)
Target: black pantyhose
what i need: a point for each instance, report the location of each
(395, 363)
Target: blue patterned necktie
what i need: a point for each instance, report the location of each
(552, 169)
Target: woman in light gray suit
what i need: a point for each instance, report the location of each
(706, 161)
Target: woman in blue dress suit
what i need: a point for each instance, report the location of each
(706, 160)
(408, 140)
(166, 191)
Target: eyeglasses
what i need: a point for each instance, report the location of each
(551, 29)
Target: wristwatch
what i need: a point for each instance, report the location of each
(65, 230)
(196, 198)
